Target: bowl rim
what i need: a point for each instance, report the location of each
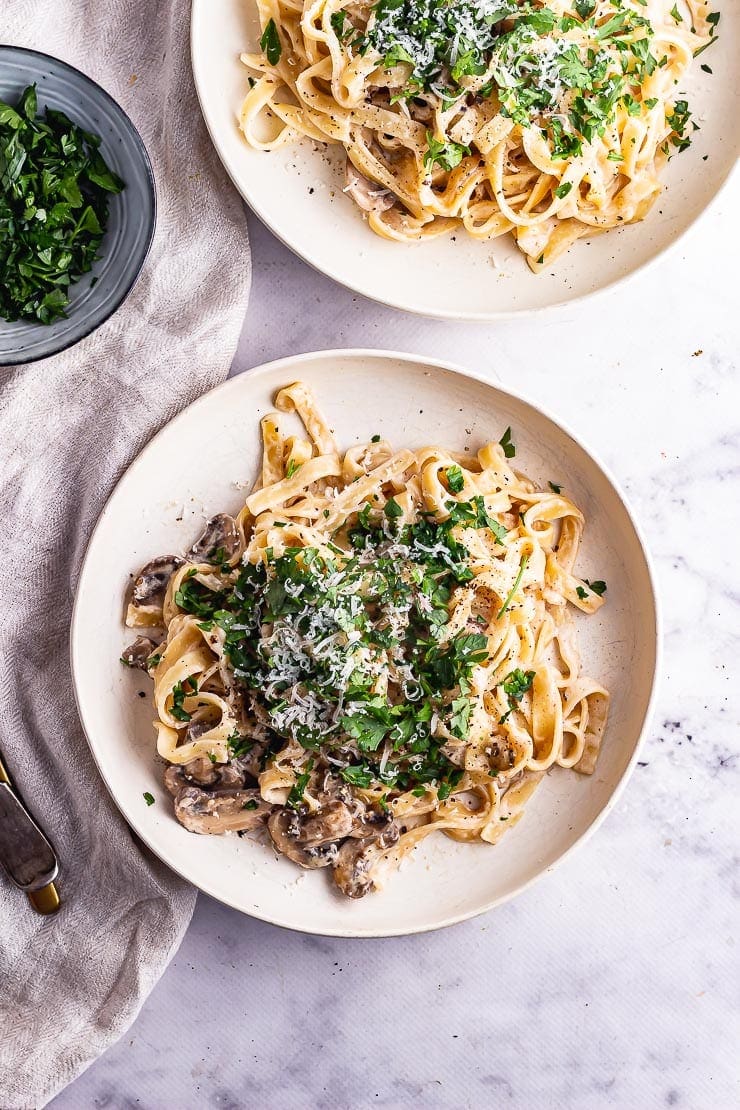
(664, 252)
(291, 363)
(125, 291)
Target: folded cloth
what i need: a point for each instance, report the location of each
(73, 983)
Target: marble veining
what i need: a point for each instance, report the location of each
(614, 982)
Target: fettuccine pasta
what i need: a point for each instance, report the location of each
(549, 121)
(378, 647)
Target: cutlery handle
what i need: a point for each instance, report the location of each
(25, 853)
(46, 900)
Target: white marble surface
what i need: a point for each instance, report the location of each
(614, 982)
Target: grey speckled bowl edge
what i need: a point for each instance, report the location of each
(132, 217)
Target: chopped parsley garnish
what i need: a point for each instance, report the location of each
(445, 154)
(180, 691)
(337, 24)
(455, 479)
(193, 597)
(508, 446)
(309, 632)
(357, 776)
(270, 43)
(295, 797)
(515, 685)
(148, 798)
(679, 119)
(555, 488)
(597, 587)
(539, 76)
(54, 192)
(239, 745)
(517, 582)
(292, 468)
(563, 190)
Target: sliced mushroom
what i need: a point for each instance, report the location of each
(367, 195)
(220, 535)
(220, 811)
(174, 779)
(455, 750)
(285, 828)
(356, 860)
(137, 654)
(332, 822)
(202, 772)
(151, 583)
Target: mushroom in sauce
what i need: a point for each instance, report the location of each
(137, 654)
(357, 859)
(219, 541)
(367, 195)
(220, 811)
(150, 585)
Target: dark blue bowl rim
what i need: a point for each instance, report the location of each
(38, 55)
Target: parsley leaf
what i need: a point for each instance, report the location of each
(508, 446)
(517, 582)
(180, 691)
(448, 155)
(270, 43)
(515, 685)
(455, 479)
(357, 776)
(295, 797)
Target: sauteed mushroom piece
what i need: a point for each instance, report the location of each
(367, 195)
(220, 811)
(201, 772)
(285, 829)
(220, 535)
(150, 585)
(356, 860)
(137, 654)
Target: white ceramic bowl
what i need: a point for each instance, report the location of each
(203, 462)
(297, 192)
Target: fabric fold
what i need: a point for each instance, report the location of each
(69, 426)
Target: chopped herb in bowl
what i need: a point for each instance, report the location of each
(55, 189)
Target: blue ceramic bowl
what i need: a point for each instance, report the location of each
(132, 212)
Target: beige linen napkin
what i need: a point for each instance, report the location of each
(70, 985)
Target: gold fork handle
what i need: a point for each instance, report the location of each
(46, 900)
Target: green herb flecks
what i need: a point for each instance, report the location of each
(455, 479)
(445, 154)
(508, 446)
(517, 582)
(54, 192)
(180, 691)
(270, 43)
(515, 686)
